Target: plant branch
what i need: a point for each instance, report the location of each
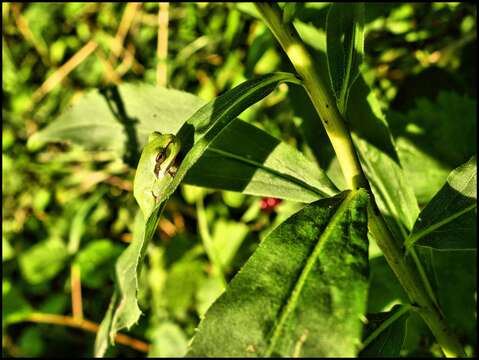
(84, 325)
(75, 281)
(127, 19)
(340, 138)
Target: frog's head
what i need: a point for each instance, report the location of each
(167, 147)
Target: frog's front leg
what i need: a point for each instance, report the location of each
(155, 197)
(172, 170)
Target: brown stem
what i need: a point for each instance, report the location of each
(87, 326)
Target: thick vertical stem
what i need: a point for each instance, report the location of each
(340, 138)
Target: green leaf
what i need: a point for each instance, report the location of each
(168, 340)
(78, 223)
(448, 222)
(429, 144)
(14, 305)
(227, 237)
(373, 142)
(453, 276)
(385, 333)
(96, 260)
(301, 293)
(8, 252)
(181, 285)
(242, 158)
(290, 9)
(245, 159)
(345, 47)
(208, 291)
(101, 340)
(119, 119)
(384, 288)
(123, 310)
(43, 261)
(379, 160)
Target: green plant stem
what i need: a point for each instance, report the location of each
(341, 141)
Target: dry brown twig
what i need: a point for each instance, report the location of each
(75, 282)
(162, 48)
(54, 79)
(86, 325)
(111, 75)
(125, 24)
(24, 29)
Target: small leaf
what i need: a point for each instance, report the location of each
(301, 293)
(345, 47)
(385, 333)
(448, 222)
(168, 340)
(181, 285)
(43, 261)
(96, 260)
(101, 340)
(78, 223)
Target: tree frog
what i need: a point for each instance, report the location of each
(156, 168)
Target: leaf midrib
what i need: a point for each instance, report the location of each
(294, 295)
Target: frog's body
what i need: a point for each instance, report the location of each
(156, 167)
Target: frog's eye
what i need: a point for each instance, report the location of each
(160, 157)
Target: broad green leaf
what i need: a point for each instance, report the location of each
(243, 158)
(345, 48)
(425, 173)
(301, 293)
(449, 221)
(385, 333)
(119, 119)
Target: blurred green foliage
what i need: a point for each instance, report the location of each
(76, 208)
